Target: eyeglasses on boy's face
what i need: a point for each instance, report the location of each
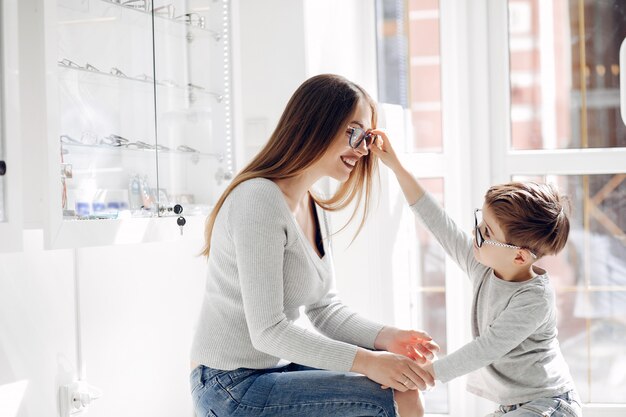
(480, 239)
(358, 135)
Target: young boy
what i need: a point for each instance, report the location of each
(514, 359)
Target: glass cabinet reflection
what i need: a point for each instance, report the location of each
(144, 107)
(3, 166)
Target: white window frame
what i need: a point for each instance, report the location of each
(476, 135)
(504, 162)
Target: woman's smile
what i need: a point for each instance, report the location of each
(349, 161)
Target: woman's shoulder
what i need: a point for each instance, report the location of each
(255, 188)
(258, 193)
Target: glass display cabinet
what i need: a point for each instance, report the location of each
(140, 108)
(10, 171)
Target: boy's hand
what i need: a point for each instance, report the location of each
(382, 149)
(414, 344)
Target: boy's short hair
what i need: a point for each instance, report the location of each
(531, 215)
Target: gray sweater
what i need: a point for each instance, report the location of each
(262, 269)
(515, 355)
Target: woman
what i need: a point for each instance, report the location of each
(269, 254)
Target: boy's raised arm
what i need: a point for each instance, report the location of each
(382, 148)
(454, 241)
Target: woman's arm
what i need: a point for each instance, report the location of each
(259, 234)
(336, 320)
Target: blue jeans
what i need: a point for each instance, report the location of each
(564, 405)
(293, 390)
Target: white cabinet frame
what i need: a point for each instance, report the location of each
(11, 229)
(60, 233)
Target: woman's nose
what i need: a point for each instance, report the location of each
(362, 149)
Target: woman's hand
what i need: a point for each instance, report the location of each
(382, 149)
(414, 344)
(392, 370)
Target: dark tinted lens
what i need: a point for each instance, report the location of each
(356, 137)
(477, 235)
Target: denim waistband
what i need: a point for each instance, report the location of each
(569, 396)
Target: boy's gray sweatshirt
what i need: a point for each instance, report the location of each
(515, 355)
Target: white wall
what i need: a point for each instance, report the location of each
(138, 305)
(139, 302)
(341, 39)
(32, 96)
(282, 43)
(272, 65)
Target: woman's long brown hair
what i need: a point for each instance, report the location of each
(317, 111)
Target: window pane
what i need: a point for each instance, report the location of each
(590, 278)
(409, 66)
(424, 75)
(565, 94)
(428, 292)
(392, 55)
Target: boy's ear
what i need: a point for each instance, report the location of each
(522, 257)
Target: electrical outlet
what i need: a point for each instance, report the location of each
(75, 398)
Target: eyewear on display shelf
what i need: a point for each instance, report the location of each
(87, 139)
(90, 67)
(138, 145)
(185, 148)
(192, 19)
(69, 140)
(166, 10)
(189, 149)
(90, 138)
(114, 140)
(144, 77)
(144, 145)
(217, 96)
(117, 72)
(69, 63)
(137, 4)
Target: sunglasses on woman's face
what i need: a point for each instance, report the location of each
(358, 135)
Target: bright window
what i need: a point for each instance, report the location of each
(503, 91)
(408, 52)
(564, 94)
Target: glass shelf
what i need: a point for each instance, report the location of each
(143, 114)
(118, 75)
(149, 152)
(192, 20)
